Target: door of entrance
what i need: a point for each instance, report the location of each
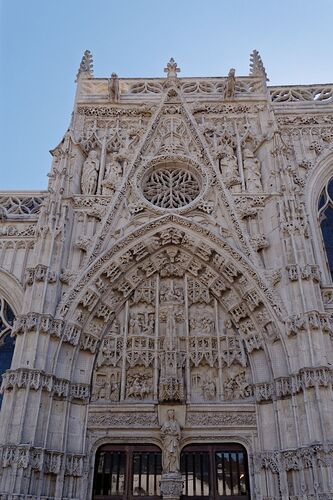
(210, 472)
(215, 472)
(127, 472)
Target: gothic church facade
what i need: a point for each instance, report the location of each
(166, 305)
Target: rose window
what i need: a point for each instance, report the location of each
(171, 187)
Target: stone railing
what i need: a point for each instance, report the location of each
(136, 88)
(20, 205)
(302, 93)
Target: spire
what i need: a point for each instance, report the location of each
(171, 69)
(256, 65)
(86, 65)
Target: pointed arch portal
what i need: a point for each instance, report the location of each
(175, 315)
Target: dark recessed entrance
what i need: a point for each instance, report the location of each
(215, 472)
(212, 472)
(127, 472)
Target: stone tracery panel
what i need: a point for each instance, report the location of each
(171, 188)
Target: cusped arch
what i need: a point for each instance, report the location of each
(212, 261)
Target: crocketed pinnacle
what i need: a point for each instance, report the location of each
(256, 65)
(86, 65)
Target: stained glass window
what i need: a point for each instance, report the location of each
(6, 341)
(325, 211)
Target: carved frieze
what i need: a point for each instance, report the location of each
(220, 419)
(38, 380)
(127, 420)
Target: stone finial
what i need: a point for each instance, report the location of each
(171, 69)
(256, 65)
(86, 65)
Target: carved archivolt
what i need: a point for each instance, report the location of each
(174, 319)
(170, 229)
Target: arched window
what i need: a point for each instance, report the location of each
(6, 341)
(325, 213)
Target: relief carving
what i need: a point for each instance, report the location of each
(237, 386)
(139, 384)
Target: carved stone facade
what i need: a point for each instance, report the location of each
(173, 280)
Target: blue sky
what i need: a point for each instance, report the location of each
(42, 42)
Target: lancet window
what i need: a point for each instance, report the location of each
(6, 341)
(325, 213)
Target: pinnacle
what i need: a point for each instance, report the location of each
(86, 65)
(256, 65)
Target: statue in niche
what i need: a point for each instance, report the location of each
(99, 388)
(148, 326)
(228, 165)
(135, 324)
(170, 434)
(90, 173)
(252, 171)
(114, 331)
(208, 389)
(112, 176)
(114, 88)
(230, 85)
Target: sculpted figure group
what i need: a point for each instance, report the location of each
(90, 172)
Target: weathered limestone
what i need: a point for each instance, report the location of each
(173, 280)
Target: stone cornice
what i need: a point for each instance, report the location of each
(39, 380)
(295, 458)
(24, 456)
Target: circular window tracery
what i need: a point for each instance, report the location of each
(171, 186)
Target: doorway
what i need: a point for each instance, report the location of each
(127, 472)
(215, 472)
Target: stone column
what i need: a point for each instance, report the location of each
(171, 485)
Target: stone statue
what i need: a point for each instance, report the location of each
(252, 172)
(208, 389)
(112, 178)
(114, 88)
(90, 173)
(170, 434)
(230, 85)
(228, 165)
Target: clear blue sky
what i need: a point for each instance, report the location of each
(42, 42)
